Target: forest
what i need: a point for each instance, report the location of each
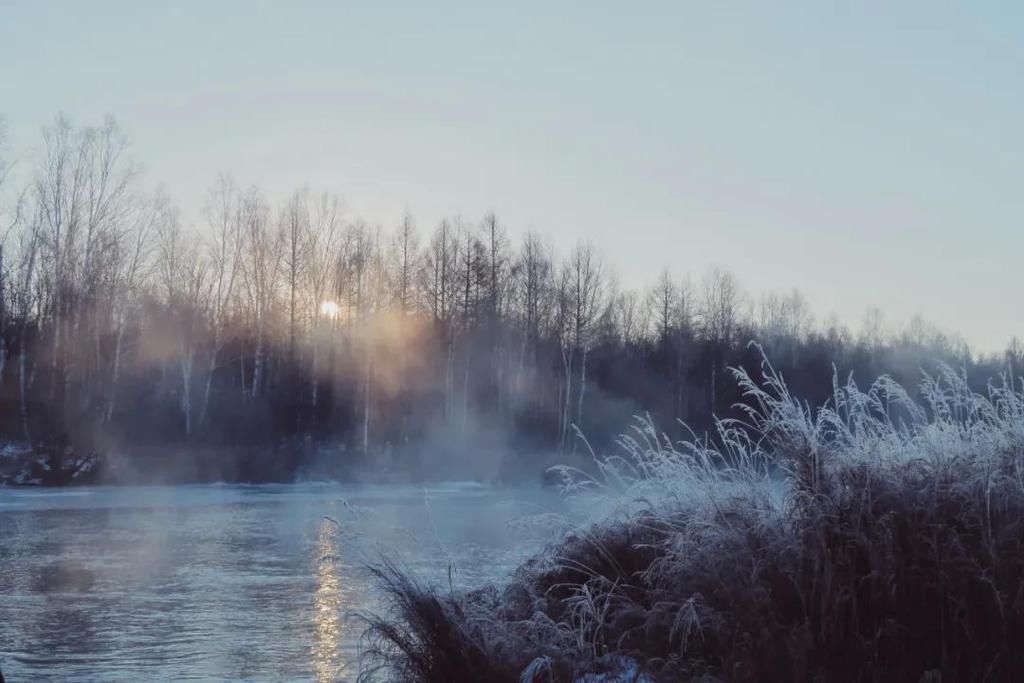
(270, 339)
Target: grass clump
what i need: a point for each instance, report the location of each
(877, 538)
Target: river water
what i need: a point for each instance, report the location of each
(213, 583)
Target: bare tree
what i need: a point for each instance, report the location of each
(583, 284)
(84, 191)
(294, 224)
(662, 300)
(629, 318)
(405, 263)
(469, 274)
(19, 249)
(367, 337)
(322, 241)
(439, 286)
(873, 331)
(7, 225)
(721, 311)
(261, 263)
(366, 286)
(224, 212)
(533, 279)
(131, 269)
(25, 298)
(182, 279)
(496, 247)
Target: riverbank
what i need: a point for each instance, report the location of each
(287, 461)
(23, 465)
(893, 553)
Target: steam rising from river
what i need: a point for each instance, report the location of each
(230, 582)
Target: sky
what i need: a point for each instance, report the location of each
(867, 153)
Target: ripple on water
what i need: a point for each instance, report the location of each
(227, 582)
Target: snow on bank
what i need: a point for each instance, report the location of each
(21, 465)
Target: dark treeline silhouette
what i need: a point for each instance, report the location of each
(265, 333)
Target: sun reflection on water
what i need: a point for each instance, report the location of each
(327, 659)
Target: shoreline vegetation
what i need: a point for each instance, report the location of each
(276, 322)
(290, 461)
(893, 552)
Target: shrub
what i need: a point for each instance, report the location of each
(874, 539)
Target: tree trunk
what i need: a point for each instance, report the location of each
(465, 396)
(449, 379)
(211, 366)
(714, 367)
(583, 389)
(54, 362)
(70, 345)
(315, 389)
(23, 389)
(241, 370)
(366, 402)
(257, 368)
(208, 383)
(567, 358)
(3, 319)
(116, 368)
(186, 389)
(186, 395)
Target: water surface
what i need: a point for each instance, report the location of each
(229, 582)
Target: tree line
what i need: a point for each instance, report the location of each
(120, 326)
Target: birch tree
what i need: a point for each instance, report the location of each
(182, 280)
(224, 212)
(583, 284)
(261, 262)
(131, 269)
(7, 227)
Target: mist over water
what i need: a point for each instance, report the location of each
(404, 344)
(230, 582)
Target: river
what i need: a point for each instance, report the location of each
(223, 582)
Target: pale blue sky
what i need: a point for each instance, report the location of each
(867, 153)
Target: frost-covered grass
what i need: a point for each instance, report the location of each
(878, 538)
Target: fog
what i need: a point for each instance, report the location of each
(510, 345)
(222, 582)
(297, 341)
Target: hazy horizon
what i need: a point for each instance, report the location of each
(868, 158)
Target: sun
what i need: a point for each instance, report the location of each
(329, 309)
